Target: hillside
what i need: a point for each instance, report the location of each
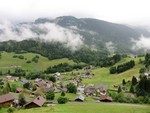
(8, 62)
(98, 33)
(74, 33)
(102, 75)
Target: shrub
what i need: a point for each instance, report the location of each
(63, 93)
(21, 57)
(50, 95)
(71, 88)
(62, 100)
(52, 78)
(28, 61)
(10, 110)
(15, 56)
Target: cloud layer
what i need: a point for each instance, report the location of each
(110, 47)
(142, 43)
(48, 32)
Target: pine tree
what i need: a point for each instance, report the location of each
(132, 89)
(119, 89)
(123, 82)
(134, 81)
(63, 93)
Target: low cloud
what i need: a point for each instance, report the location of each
(48, 32)
(110, 47)
(142, 43)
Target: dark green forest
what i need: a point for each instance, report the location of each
(56, 50)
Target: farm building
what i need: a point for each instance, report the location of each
(6, 99)
(37, 102)
(105, 98)
(80, 98)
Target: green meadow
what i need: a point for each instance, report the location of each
(102, 75)
(7, 60)
(87, 108)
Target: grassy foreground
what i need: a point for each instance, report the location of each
(88, 108)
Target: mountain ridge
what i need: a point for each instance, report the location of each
(95, 33)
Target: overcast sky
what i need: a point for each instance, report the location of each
(119, 11)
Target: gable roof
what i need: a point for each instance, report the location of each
(105, 98)
(80, 97)
(6, 98)
(38, 101)
(19, 89)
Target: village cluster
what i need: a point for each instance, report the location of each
(42, 86)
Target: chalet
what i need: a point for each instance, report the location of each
(37, 102)
(90, 91)
(101, 88)
(105, 98)
(80, 90)
(44, 83)
(18, 90)
(6, 99)
(48, 83)
(80, 98)
(74, 81)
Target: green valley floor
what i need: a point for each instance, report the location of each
(88, 108)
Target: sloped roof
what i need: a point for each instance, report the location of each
(81, 97)
(6, 97)
(38, 101)
(105, 97)
(19, 89)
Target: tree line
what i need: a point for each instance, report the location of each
(122, 67)
(56, 50)
(63, 67)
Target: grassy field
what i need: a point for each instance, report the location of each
(7, 60)
(88, 108)
(102, 75)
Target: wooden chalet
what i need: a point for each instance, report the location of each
(80, 98)
(6, 99)
(37, 102)
(105, 98)
(18, 90)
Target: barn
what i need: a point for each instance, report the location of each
(6, 99)
(37, 102)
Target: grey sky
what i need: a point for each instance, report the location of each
(119, 11)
